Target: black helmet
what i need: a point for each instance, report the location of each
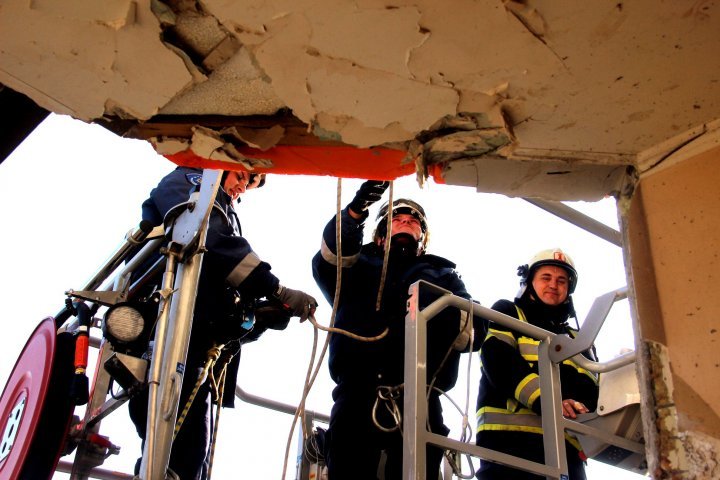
(257, 180)
(400, 206)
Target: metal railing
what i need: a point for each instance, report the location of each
(552, 350)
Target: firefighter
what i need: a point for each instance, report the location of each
(369, 374)
(232, 279)
(509, 397)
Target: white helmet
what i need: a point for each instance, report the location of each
(552, 256)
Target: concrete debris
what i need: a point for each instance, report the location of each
(567, 82)
(169, 145)
(465, 144)
(222, 146)
(667, 459)
(208, 143)
(199, 33)
(234, 88)
(262, 139)
(702, 452)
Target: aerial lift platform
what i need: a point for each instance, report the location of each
(50, 379)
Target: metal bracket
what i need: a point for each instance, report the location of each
(105, 298)
(563, 347)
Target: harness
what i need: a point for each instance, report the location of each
(214, 370)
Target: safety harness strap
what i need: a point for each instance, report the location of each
(217, 386)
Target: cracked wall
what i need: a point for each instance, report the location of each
(569, 85)
(674, 251)
(79, 59)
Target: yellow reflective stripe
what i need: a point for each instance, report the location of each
(521, 314)
(528, 389)
(503, 336)
(533, 396)
(509, 428)
(498, 419)
(581, 370)
(574, 442)
(492, 418)
(491, 410)
(528, 348)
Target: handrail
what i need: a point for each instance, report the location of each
(276, 405)
(450, 300)
(133, 238)
(563, 347)
(66, 466)
(415, 434)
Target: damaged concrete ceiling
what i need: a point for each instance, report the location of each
(552, 98)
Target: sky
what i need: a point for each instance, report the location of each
(71, 191)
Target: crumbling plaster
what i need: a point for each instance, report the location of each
(607, 83)
(84, 59)
(558, 86)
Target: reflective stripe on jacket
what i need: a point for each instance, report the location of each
(517, 414)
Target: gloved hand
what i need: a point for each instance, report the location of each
(299, 303)
(369, 192)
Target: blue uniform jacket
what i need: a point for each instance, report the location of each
(229, 255)
(229, 266)
(354, 362)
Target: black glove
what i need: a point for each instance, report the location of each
(370, 192)
(299, 303)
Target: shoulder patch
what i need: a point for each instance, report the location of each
(194, 178)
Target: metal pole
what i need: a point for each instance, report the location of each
(553, 433)
(188, 242)
(155, 374)
(414, 403)
(578, 219)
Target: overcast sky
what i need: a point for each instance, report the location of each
(70, 193)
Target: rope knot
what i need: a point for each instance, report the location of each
(214, 353)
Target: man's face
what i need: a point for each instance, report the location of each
(237, 183)
(551, 284)
(406, 223)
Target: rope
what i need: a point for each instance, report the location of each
(310, 378)
(346, 333)
(300, 411)
(466, 435)
(388, 235)
(389, 395)
(213, 355)
(218, 391)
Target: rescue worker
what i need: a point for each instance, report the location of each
(509, 400)
(232, 279)
(369, 374)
